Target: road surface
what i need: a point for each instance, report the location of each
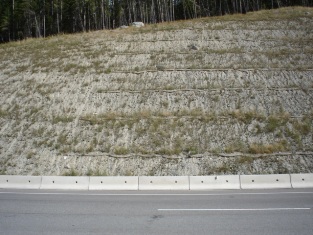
(283, 212)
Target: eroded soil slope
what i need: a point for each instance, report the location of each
(223, 95)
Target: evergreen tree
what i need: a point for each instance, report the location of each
(20, 19)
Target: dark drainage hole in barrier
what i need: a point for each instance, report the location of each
(76, 182)
(252, 180)
(302, 179)
(101, 182)
(125, 182)
(202, 182)
(277, 179)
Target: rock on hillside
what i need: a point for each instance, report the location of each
(221, 95)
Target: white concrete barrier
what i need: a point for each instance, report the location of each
(113, 183)
(163, 183)
(65, 182)
(302, 180)
(214, 182)
(265, 181)
(20, 182)
(158, 182)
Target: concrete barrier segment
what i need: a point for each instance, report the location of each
(214, 182)
(158, 182)
(265, 181)
(302, 180)
(113, 183)
(163, 183)
(20, 182)
(65, 182)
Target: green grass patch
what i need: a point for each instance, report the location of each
(276, 121)
(3, 113)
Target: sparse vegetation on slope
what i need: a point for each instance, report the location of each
(229, 94)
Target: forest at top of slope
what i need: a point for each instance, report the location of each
(20, 19)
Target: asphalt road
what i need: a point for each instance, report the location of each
(241, 212)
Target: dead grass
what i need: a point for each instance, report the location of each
(247, 117)
(187, 130)
(61, 46)
(235, 146)
(166, 132)
(287, 13)
(62, 119)
(257, 148)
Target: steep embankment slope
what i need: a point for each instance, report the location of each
(231, 94)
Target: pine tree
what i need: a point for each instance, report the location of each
(21, 19)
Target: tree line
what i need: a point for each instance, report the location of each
(20, 19)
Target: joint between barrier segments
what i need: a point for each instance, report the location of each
(290, 180)
(40, 182)
(89, 183)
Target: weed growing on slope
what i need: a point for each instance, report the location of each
(72, 172)
(3, 113)
(120, 150)
(235, 146)
(257, 148)
(276, 121)
(304, 128)
(245, 160)
(62, 119)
